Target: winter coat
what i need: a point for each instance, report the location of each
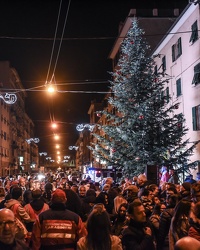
(17, 245)
(18, 210)
(115, 241)
(165, 221)
(57, 228)
(134, 237)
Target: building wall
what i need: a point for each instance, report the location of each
(183, 68)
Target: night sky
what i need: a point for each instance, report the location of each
(27, 30)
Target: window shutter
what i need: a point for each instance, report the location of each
(178, 87)
(164, 63)
(196, 77)
(194, 35)
(194, 120)
(167, 94)
(179, 47)
(173, 53)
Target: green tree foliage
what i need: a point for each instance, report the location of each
(142, 127)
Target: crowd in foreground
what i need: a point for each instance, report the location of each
(61, 213)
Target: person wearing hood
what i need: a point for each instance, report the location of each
(57, 228)
(15, 205)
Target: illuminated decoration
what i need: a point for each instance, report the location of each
(36, 140)
(73, 147)
(43, 153)
(9, 98)
(66, 157)
(52, 161)
(48, 158)
(81, 127)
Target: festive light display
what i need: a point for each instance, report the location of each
(81, 127)
(9, 98)
(36, 140)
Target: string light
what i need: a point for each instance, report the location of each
(81, 127)
(36, 140)
(9, 98)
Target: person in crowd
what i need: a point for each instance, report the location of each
(164, 174)
(82, 192)
(190, 179)
(99, 235)
(194, 230)
(185, 191)
(87, 203)
(97, 188)
(187, 243)
(2, 194)
(180, 222)
(131, 193)
(118, 200)
(57, 228)
(173, 178)
(73, 202)
(147, 202)
(142, 183)
(8, 240)
(36, 184)
(195, 192)
(120, 220)
(155, 218)
(105, 198)
(165, 221)
(134, 182)
(15, 205)
(46, 195)
(137, 235)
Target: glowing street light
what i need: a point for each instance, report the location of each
(54, 125)
(56, 137)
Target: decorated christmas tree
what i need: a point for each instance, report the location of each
(142, 128)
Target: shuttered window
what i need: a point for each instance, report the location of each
(196, 118)
(176, 50)
(194, 35)
(178, 87)
(196, 77)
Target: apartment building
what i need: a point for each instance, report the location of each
(16, 153)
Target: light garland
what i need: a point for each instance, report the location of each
(36, 140)
(73, 147)
(81, 127)
(9, 98)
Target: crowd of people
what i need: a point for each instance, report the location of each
(59, 212)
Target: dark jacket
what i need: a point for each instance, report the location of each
(134, 238)
(57, 227)
(17, 245)
(165, 221)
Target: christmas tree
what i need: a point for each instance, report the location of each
(142, 128)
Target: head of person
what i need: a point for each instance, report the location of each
(36, 194)
(7, 226)
(141, 179)
(171, 171)
(131, 191)
(99, 228)
(106, 187)
(185, 189)
(22, 182)
(122, 211)
(58, 197)
(187, 243)
(82, 191)
(136, 211)
(16, 192)
(195, 192)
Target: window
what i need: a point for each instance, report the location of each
(196, 118)
(165, 95)
(176, 50)
(156, 70)
(194, 35)
(178, 87)
(196, 78)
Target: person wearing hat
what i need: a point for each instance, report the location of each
(57, 228)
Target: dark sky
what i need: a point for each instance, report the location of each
(27, 29)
